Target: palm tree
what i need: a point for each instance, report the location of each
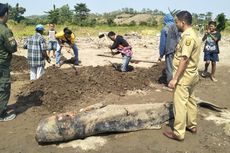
(81, 11)
(53, 15)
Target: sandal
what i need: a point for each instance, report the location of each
(7, 117)
(204, 73)
(214, 79)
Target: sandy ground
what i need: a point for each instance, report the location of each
(17, 136)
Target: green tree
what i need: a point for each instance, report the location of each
(201, 18)
(110, 21)
(33, 20)
(149, 11)
(16, 13)
(195, 19)
(53, 15)
(81, 13)
(208, 16)
(143, 23)
(65, 14)
(129, 10)
(152, 22)
(221, 20)
(157, 12)
(132, 23)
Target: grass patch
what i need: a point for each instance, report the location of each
(21, 30)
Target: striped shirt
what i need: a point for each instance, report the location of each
(36, 45)
(122, 46)
(127, 51)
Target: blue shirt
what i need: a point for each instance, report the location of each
(169, 36)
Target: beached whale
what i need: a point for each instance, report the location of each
(102, 119)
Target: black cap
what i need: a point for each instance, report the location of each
(3, 9)
(67, 31)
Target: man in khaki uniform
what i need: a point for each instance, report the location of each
(185, 77)
(8, 46)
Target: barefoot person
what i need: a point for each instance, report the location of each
(185, 78)
(211, 49)
(122, 46)
(8, 46)
(52, 44)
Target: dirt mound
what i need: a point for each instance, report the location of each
(19, 63)
(63, 87)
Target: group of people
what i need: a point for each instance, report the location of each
(179, 43)
(181, 46)
(38, 53)
(170, 37)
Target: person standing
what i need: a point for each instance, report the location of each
(122, 46)
(8, 45)
(211, 49)
(168, 41)
(52, 44)
(36, 47)
(185, 78)
(66, 37)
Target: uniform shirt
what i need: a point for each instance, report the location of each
(188, 46)
(36, 45)
(63, 39)
(211, 45)
(8, 45)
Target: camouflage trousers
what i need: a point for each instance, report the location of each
(5, 86)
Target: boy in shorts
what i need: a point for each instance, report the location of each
(211, 49)
(52, 45)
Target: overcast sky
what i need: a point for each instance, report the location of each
(37, 7)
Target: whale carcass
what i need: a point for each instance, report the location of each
(104, 119)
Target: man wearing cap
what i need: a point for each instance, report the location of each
(66, 37)
(36, 46)
(8, 45)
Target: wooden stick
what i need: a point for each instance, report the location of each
(132, 60)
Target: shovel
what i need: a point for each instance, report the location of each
(71, 65)
(113, 65)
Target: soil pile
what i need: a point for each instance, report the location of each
(19, 63)
(58, 88)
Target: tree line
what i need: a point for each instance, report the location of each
(81, 16)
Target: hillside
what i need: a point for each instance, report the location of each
(137, 18)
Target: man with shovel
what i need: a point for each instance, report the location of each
(122, 46)
(66, 37)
